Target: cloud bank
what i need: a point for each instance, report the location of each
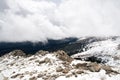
(39, 20)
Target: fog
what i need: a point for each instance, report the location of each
(40, 20)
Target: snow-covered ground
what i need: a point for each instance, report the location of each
(59, 66)
(26, 68)
(108, 50)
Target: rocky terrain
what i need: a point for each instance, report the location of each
(44, 65)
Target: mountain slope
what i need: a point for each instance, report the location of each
(52, 66)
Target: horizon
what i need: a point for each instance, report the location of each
(40, 20)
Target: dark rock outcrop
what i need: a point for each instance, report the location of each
(94, 59)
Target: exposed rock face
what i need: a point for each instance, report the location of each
(63, 56)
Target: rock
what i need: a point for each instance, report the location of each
(47, 77)
(21, 76)
(47, 60)
(65, 70)
(117, 57)
(37, 61)
(41, 52)
(118, 47)
(59, 69)
(63, 56)
(40, 75)
(50, 78)
(74, 73)
(17, 75)
(94, 67)
(32, 58)
(79, 72)
(33, 78)
(94, 59)
(65, 63)
(81, 66)
(28, 55)
(91, 69)
(17, 53)
(11, 64)
(5, 78)
(108, 69)
(41, 62)
(55, 76)
(69, 75)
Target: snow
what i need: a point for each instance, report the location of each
(30, 67)
(11, 66)
(106, 49)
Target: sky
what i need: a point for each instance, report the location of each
(40, 20)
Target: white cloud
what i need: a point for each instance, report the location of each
(35, 20)
(90, 17)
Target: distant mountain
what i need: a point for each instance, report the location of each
(30, 47)
(69, 45)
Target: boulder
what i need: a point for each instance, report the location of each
(79, 72)
(40, 75)
(65, 70)
(109, 70)
(47, 60)
(94, 67)
(63, 56)
(59, 69)
(69, 75)
(33, 78)
(81, 66)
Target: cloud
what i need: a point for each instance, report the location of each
(3, 5)
(39, 20)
